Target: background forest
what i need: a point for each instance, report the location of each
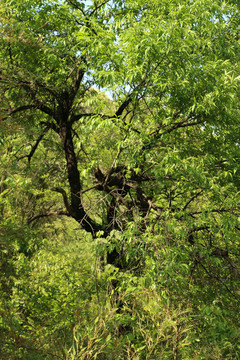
(119, 179)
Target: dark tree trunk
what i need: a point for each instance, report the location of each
(76, 208)
(72, 168)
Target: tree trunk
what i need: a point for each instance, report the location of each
(76, 207)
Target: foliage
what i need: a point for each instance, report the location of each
(119, 183)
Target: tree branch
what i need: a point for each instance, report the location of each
(35, 146)
(41, 85)
(76, 6)
(37, 104)
(192, 198)
(77, 209)
(65, 198)
(44, 109)
(215, 277)
(112, 166)
(50, 213)
(123, 106)
(76, 85)
(129, 98)
(98, 7)
(50, 125)
(234, 267)
(90, 188)
(219, 211)
(77, 117)
(224, 254)
(21, 108)
(182, 125)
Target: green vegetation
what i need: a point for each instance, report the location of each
(119, 180)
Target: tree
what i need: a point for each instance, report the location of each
(154, 164)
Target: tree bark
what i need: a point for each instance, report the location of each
(77, 210)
